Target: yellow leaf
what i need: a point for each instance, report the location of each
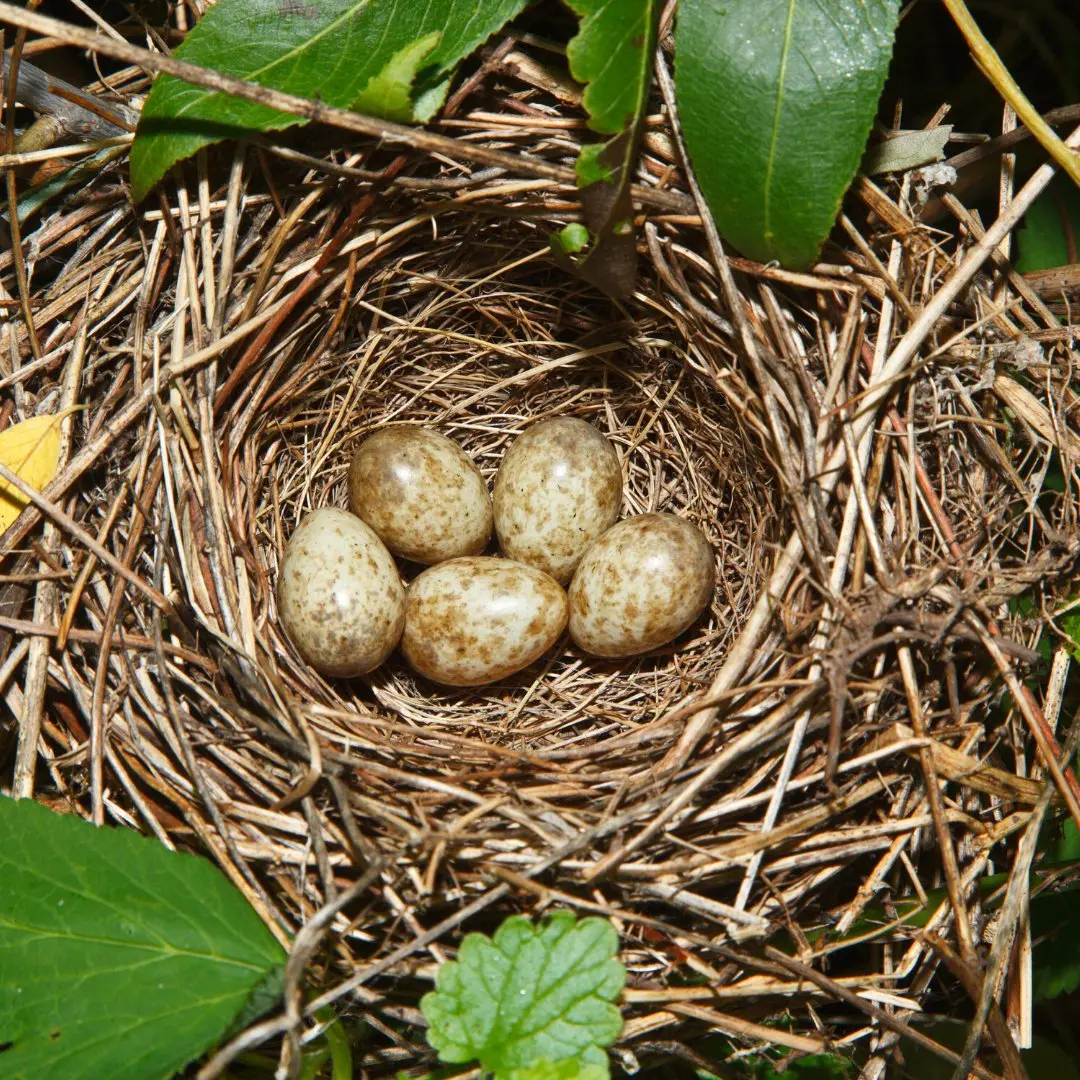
(31, 450)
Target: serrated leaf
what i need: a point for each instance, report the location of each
(389, 94)
(530, 996)
(591, 1064)
(907, 151)
(120, 958)
(31, 450)
(776, 99)
(612, 54)
(329, 50)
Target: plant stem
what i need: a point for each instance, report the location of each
(988, 60)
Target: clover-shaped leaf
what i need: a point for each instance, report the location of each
(532, 1003)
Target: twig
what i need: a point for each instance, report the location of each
(885, 1019)
(1012, 908)
(45, 601)
(69, 525)
(49, 96)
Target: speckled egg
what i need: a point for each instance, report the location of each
(559, 487)
(476, 620)
(339, 594)
(640, 585)
(421, 494)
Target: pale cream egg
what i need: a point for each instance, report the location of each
(640, 585)
(476, 620)
(420, 492)
(559, 487)
(340, 596)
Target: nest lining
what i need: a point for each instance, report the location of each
(478, 352)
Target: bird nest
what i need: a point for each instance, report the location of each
(825, 751)
(476, 338)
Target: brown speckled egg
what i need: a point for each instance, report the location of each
(421, 494)
(640, 585)
(476, 620)
(559, 487)
(339, 594)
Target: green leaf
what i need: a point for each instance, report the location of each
(589, 168)
(776, 99)
(1056, 958)
(612, 54)
(591, 1064)
(1070, 623)
(1041, 242)
(389, 94)
(907, 151)
(532, 1003)
(329, 50)
(1060, 844)
(120, 958)
(573, 238)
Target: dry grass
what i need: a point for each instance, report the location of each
(860, 621)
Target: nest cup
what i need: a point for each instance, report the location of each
(478, 337)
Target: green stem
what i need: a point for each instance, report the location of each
(338, 1042)
(998, 74)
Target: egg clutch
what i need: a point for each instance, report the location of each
(623, 587)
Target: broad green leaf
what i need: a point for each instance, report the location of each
(612, 54)
(907, 151)
(532, 1003)
(120, 959)
(330, 50)
(776, 99)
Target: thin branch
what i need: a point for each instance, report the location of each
(77, 112)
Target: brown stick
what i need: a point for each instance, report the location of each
(77, 112)
(971, 982)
